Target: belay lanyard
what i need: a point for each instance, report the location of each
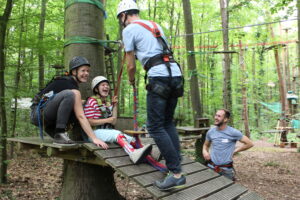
(138, 144)
(39, 107)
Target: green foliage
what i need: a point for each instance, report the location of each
(22, 50)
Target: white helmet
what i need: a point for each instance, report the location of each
(126, 5)
(97, 80)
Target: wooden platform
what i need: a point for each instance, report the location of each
(202, 183)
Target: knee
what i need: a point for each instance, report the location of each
(69, 95)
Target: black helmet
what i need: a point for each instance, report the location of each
(78, 61)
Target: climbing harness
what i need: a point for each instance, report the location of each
(218, 168)
(44, 100)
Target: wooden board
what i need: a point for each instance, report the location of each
(191, 180)
(47, 142)
(230, 193)
(200, 190)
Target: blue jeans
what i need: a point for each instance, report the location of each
(160, 124)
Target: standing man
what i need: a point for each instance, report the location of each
(219, 146)
(145, 40)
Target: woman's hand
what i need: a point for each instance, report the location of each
(99, 143)
(115, 100)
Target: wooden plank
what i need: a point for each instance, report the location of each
(230, 193)
(92, 147)
(135, 170)
(119, 161)
(251, 196)
(47, 142)
(110, 153)
(201, 190)
(146, 180)
(196, 179)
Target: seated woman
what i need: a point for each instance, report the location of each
(103, 116)
(59, 104)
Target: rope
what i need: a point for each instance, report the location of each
(87, 40)
(239, 27)
(98, 4)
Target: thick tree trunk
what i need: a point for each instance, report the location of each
(85, 20)
(244, 91)
(194, 85)
(3, 135)
(40, 44)
(227, 91)
(84, 181)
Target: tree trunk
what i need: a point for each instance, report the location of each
(244, 90)
(3, 151)
(21, 58)
(282, 91)
(40, 44)
(254, 89)
(298, 44)
(194, 85)
(227, 91)
(84, 181)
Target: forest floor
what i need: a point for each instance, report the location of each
(272, 172)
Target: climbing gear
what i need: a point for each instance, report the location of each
(218, 168)
(170, 182)
(78, 61)
(126, 5)
(166, 58)
(167, 55)
(62, 138)
(42, 103)
(97, 80)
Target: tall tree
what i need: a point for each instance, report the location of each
(194, 85)
(244, 90)
(40, 44)
(227, 92)
(86, 180)
(3, 151)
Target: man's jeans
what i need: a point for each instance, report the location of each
(160, 124)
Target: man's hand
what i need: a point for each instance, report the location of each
(206, 155)
(99, 143)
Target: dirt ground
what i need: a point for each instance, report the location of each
(272, 172)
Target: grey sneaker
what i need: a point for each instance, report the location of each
(139, 154)
(170, 182)
(62, 139)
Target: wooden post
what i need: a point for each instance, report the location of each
(82, 180)
(244, 90)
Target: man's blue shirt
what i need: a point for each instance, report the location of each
(223, 144)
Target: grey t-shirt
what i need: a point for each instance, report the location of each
(223, 144)
(140, 40)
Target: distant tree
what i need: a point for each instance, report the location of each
(194, 85)
(3, 151)
(40, 43)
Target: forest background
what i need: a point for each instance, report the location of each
(35, 41)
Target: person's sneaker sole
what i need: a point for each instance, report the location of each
(171, 188)
(64, 144)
